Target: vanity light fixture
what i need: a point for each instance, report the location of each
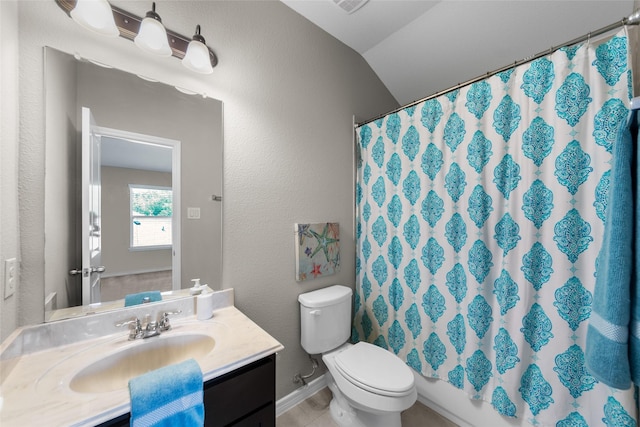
(187, 91)
(130, 27)
(95, 15)
(152, 36)
(197, 56)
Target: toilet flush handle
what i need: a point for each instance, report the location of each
(315, 312)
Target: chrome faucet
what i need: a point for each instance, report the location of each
(151, 328)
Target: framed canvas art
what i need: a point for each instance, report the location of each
(317, 250)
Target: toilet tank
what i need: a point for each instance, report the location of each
(325, 318)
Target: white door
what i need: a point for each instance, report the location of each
(91, 210)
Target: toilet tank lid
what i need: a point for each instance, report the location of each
(325, 296)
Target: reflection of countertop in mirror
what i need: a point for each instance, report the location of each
(35, 386)
(85, 310)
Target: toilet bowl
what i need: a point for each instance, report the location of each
(370, 385)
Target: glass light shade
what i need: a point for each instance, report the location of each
(152, 37)
(197, 58)
(95, 15)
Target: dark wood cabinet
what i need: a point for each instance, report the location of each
(245, 397)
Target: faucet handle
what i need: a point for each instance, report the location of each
(128, 322)
(165, 325)
(135, 331)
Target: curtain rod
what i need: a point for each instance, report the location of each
(633, 19)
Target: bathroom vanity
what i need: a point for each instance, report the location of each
(76, 384)
(244, 397)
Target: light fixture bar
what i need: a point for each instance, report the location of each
(128, 24)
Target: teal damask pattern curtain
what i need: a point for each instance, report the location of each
(480, 219)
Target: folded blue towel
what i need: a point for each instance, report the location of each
(612, 353)
(169, 396)
(135, 299)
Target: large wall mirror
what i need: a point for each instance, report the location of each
(154, 179)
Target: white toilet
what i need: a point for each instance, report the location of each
(370, 385)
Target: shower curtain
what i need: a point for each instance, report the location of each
(480, 218)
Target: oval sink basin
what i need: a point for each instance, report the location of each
(114, 371)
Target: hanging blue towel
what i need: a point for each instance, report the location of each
(135, 299)
(612, 353)
(169, 396)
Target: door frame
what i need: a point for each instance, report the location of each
(89, 296)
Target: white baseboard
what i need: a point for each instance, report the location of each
(299, 395)
(442, 411)
(303, 393)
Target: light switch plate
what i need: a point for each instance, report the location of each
(193, 213)
(10, 276)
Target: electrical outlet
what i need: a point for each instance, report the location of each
(10, 276)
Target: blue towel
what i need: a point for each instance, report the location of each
(612, 353)
(169, 396)
(135, 299)
(634, 336)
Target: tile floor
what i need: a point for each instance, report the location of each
(314, 412)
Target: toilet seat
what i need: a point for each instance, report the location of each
(375, 369)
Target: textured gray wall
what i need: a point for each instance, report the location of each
(9, 106)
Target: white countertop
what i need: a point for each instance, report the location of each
(36, 389)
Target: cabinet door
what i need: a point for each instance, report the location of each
(244, 397)
(121, 421)
(263, 418)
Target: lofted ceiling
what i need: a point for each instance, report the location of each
(420, 47)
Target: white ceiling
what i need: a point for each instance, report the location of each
(420, 47)
(124, 153)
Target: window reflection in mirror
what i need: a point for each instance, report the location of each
(151, 213)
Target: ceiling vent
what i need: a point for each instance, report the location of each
(350, 6)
